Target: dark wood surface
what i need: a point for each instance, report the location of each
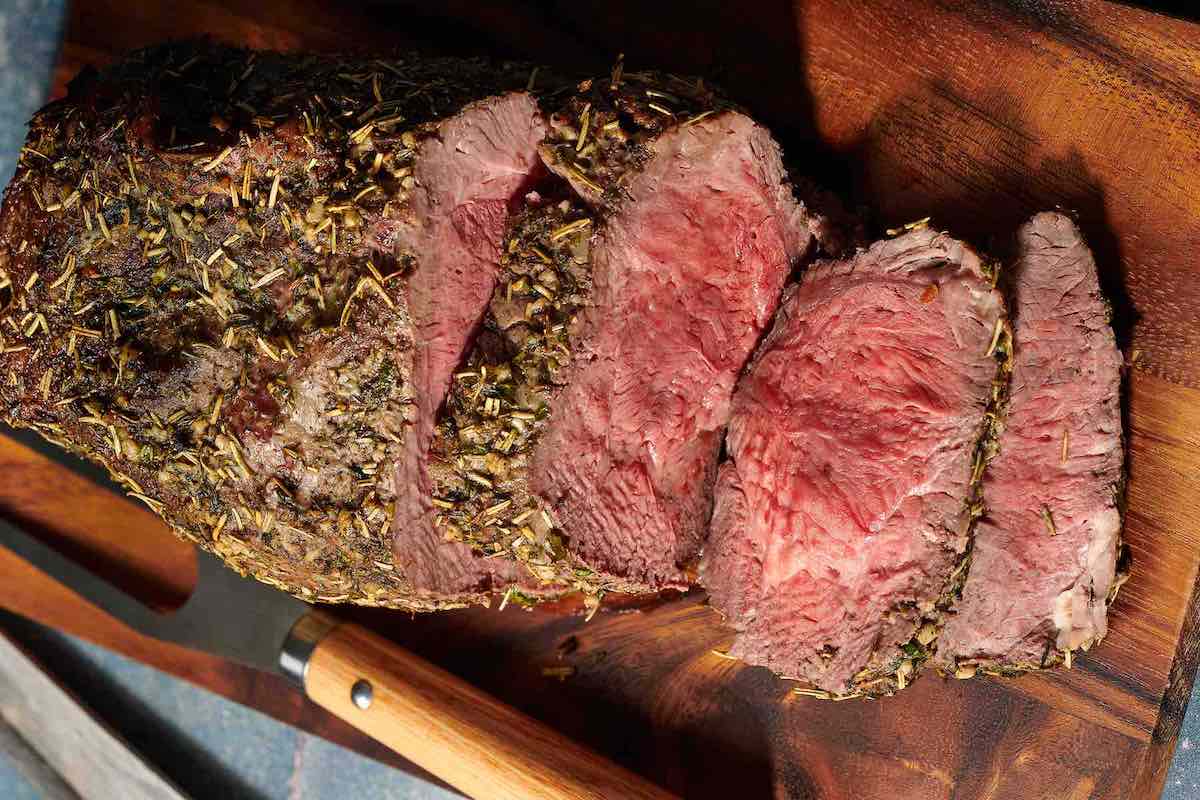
(977, 113)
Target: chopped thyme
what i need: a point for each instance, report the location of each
(1048, 519)
(177, 306)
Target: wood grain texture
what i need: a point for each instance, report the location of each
(467, 738)
(979, 113)
(91, 759)
(43, 498)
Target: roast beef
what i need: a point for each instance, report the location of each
(467, 175)
(1043, 567)
(239, 280)
(585, 436)
(843, 512)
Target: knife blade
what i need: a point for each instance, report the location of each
(467, 738)
(263, 617)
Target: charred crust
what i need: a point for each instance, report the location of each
(199, 293)
(501, 399)
(600, 134)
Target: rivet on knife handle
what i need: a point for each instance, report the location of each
(362, 693)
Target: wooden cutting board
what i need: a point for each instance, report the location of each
(977, 113)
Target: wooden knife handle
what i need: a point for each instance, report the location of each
(467, 738)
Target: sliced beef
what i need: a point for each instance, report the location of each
(467, 175)
(498, 403)
(843, 511)
(1044, 560)
(211, 284)
(585, 435)
(687, 274)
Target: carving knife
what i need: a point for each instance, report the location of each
(467, 738)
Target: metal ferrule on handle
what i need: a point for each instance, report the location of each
(301, 641)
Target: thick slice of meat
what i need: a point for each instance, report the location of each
(845, 505)
(584, 437)
(687, 273)
(198, 288)
(468, 174)
(1043, 566)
